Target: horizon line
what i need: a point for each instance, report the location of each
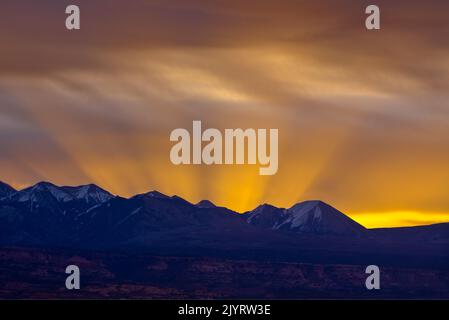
(238, 212)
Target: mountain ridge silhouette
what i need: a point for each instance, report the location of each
(90, 218)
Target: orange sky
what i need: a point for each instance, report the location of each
(363, 117)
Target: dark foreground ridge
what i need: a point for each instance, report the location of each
(136, 243)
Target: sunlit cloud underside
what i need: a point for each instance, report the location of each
(363, 117)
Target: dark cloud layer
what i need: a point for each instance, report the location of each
(34, 38)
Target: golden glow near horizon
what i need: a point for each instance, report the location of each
(398, 218)
(363, 117)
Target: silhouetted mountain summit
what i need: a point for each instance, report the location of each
(205, 204)
(266, 216)
(155, 194)
(6, 190)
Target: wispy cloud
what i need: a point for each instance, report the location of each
(363, 117)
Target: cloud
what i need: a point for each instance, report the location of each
(363, 116)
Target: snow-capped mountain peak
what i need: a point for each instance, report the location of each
(315, 216)
(91, 193)
(43, 192)
(36, 192)
(305, 217)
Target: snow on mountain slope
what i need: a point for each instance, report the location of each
(314, 217)
(319, 217)
(42, 192)
(266, 216)
(90, 193)
(47, 193)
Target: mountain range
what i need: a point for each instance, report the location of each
(89, 217)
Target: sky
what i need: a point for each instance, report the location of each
(363, 116)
